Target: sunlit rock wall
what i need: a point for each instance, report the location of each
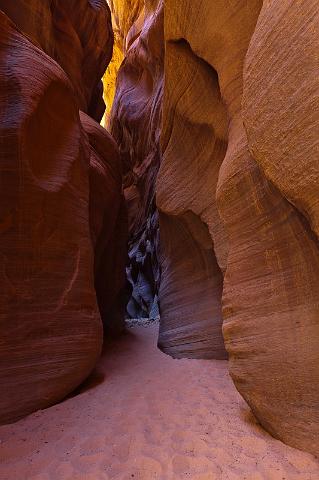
(283, 386)
(194, 142)
(124, 15)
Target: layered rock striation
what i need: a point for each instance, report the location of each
(77, 34)
(63, 219)
(108, 224)
(192, 281)
(49, 339)
(265, 192)
(237, 196)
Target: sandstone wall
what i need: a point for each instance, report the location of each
(266, 195)
(77, 34)
(49, 340)
(108, 224)
(125, 13)
(63, 223)
(237, 194)
(194, 142)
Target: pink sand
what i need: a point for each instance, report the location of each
(144, 416)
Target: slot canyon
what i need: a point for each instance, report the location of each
(159, 239)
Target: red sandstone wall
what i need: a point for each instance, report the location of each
(63, 234)
(77, 34)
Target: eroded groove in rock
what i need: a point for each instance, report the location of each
(108, 225)
(49, 340)
(135, 125)
(190, 290)
(194, 143)
(77, 34)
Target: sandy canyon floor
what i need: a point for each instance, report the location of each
(144, 416)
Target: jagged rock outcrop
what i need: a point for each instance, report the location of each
(135, 125)
(77, 34)
(51, 332)
(108, 224)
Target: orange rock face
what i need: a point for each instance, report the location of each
(77, 34)
(135, 125)
(191, 279)
(282, 122)
(49, 339)
(125, 15)
(237, 194)
(269, 255)
(283, 386)
(216, 121)
(108, 224)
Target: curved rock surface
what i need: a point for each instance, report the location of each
(125, 13)
(135, 125)
(276, 370)
(269, 255)
(77, 34)
(108, 224)
(49, 340)
(191, 280)
(280, 104)
(190, 290)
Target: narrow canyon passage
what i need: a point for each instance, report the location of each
(159, 240)
(144, 416)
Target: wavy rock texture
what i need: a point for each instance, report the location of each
(77, 34)
(33, 17)
(49, 340)
(135, 125)
(270, 294)
(190, 290)
(283, 139)
(281, 101)
(191, 268)
(108, 224)
(125, 13)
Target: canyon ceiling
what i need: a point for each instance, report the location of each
(210, 173)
